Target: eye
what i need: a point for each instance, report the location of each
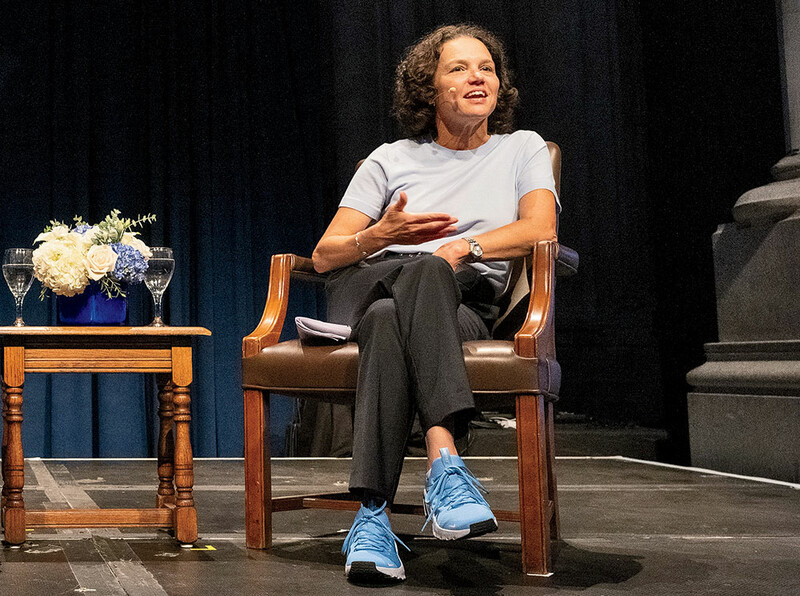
(457, 68)
(487, 68)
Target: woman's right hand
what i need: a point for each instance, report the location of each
(399, 227)
(349, 237)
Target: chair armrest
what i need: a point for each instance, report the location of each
(536, 339)
(282, 269)
(566, 262)
(303, 268)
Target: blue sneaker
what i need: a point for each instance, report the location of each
(370, 548)
(453, 500)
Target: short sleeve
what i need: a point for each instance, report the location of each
(367, 191)
(535, 170)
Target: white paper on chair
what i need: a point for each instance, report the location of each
(314, 330)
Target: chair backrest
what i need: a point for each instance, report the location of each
(555, 160)
(514, 299)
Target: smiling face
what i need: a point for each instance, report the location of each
(466, 84)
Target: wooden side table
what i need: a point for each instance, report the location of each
(166, 351)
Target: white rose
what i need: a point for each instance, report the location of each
(132, 241)
(100, 260)
(142, 248)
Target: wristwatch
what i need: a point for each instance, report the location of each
(475, 250)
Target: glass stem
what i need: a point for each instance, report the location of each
(18, 304)
(157, 301)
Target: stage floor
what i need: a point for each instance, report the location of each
(629, 527)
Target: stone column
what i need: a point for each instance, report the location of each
(790, 18)
(744, 407)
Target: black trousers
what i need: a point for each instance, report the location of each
(409, 322)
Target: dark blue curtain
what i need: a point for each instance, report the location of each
(238, 124)
(189, 112)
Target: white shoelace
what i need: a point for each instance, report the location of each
(444, 496)
(369, 533)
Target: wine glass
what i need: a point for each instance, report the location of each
(18, 271)
(157, 277)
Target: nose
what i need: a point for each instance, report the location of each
(476, 76)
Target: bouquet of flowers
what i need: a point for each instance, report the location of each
(109, 253)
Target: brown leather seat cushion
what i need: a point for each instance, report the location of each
(293, 368)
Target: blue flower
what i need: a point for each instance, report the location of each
(81, 229)
(130, 265)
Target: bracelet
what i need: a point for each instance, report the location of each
(364, 254)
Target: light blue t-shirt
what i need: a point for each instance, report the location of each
(481, 187)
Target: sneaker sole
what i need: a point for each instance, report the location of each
(476, 529)
(368, 572)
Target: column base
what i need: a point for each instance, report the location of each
(744, 412)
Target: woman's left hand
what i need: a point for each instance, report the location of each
(455, 252)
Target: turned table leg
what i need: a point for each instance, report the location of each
(3, 454)
(185, 520)
(13, 457)
(166, 443)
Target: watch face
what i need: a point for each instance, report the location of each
(476, 251)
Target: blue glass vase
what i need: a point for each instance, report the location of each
(92, 307)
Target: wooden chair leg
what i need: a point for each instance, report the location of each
(555, 520)
(534, 504)
(257, 474)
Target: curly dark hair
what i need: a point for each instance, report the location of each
(414, 92)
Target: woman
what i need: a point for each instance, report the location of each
(419, 246)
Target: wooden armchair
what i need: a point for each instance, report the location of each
(523, 368)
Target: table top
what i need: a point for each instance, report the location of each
(88, 331)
